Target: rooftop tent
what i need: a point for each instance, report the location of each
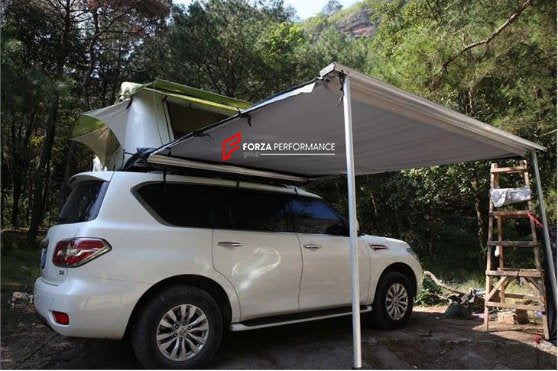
(343, 122)
(149, 115)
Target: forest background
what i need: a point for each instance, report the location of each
(492, 60)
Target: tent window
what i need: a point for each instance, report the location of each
(185, 119)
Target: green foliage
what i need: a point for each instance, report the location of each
(508, 82)
(332, 45)
(430, 294)
(233, 48)
(331, 7)
(250, 50)
(59, 59)
(20, 262)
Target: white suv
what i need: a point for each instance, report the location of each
(172, 261)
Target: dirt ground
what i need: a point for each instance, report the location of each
(431, 341)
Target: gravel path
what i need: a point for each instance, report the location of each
(431, 341)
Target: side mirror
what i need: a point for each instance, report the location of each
(346, 222)
(338, 230)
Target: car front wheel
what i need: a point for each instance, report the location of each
(181, 328)
(393, 302)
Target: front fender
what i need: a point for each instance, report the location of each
(396, 252)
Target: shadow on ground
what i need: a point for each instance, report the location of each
(430, 341)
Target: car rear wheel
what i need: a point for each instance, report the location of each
(393, 302)
(180, 328)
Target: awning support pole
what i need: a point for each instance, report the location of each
(347, 113)
(548, 249)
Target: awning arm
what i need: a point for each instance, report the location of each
(189, 164)
(353, 233)
(548, 249)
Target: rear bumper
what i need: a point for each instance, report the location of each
(42, 319)
(97, 309)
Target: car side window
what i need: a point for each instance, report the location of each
(183, 205)
(315, 216)
(253, 211)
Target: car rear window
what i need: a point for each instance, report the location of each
(84, 202)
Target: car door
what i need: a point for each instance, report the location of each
(326, 269)
(256, 248)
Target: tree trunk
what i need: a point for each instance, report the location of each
(3, 200)
(40, 176)
(397, 224)
(480, 220)
(18, 162)
(47, 195)
(69, 170)
(71, 161)
(16, 196)
(29, 193)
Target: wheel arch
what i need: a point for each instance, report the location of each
(402, 268)
(213, 288)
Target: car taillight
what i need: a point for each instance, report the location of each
(61, 318)
(78, 251)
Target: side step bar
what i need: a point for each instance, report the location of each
(289, 319)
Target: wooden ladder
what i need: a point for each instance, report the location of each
(499, 278)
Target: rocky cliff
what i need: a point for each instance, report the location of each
(357, 24)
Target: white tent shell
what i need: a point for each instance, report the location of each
(385, 129)
(128, 125)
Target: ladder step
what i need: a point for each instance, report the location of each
(510, 214)
(514, 306)
(509, 170)
(510, 295)
(513, 243)
(515, 273)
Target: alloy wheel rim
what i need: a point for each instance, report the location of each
(182, 332)
(397, 301)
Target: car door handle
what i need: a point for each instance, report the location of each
(229, 244)
(312, 246)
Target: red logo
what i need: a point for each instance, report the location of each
(230, 145)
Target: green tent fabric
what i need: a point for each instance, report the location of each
(211, 101)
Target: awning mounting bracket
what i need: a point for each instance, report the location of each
(245, 115)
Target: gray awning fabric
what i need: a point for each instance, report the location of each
(393, 130)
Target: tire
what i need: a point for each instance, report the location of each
(390, 317)
(155, 328)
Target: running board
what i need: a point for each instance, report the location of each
(288, 319)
